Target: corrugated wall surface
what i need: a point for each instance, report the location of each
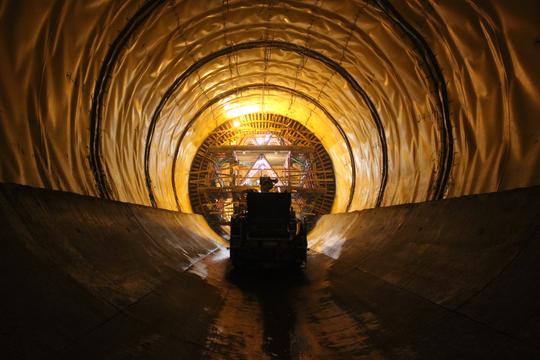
(435, 99)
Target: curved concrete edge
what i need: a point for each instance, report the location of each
(462, 270)
(89, 277)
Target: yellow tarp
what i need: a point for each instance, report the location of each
(51, 54)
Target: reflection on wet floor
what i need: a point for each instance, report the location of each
(280, 314)
(275, 292)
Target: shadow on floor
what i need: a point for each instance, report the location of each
(275, 290)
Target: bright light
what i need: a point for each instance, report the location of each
(261, 165)
(236, 123)
(264, 139)
(236, 111)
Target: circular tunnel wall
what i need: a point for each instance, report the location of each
(324, 71)
(414, 101)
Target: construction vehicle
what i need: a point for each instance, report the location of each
(267, 233)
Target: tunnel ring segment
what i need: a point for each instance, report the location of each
(301, 50)
(257, 87)
(101, 86)
(148, 8)
(436, 76)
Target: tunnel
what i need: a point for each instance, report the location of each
(425, 118)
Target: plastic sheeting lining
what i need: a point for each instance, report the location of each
(112, 98)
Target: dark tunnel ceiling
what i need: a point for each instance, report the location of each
(413, 101)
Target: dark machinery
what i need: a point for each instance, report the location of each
(267, 233)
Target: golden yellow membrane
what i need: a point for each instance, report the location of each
(275, 103)
(240, 110)
(488, 63)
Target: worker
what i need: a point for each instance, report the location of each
(266, 183)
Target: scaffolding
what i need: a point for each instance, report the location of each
(237, 154)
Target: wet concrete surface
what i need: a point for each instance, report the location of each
(322, 313)
(84, 278)
(280, 314)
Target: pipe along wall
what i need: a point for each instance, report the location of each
(428, 110)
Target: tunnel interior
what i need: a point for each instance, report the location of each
(235, 156)
(419, 117)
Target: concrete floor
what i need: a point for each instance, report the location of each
(281, 314)
(309, 315)
(82, 278)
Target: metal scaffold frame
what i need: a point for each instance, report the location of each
(236, 154)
